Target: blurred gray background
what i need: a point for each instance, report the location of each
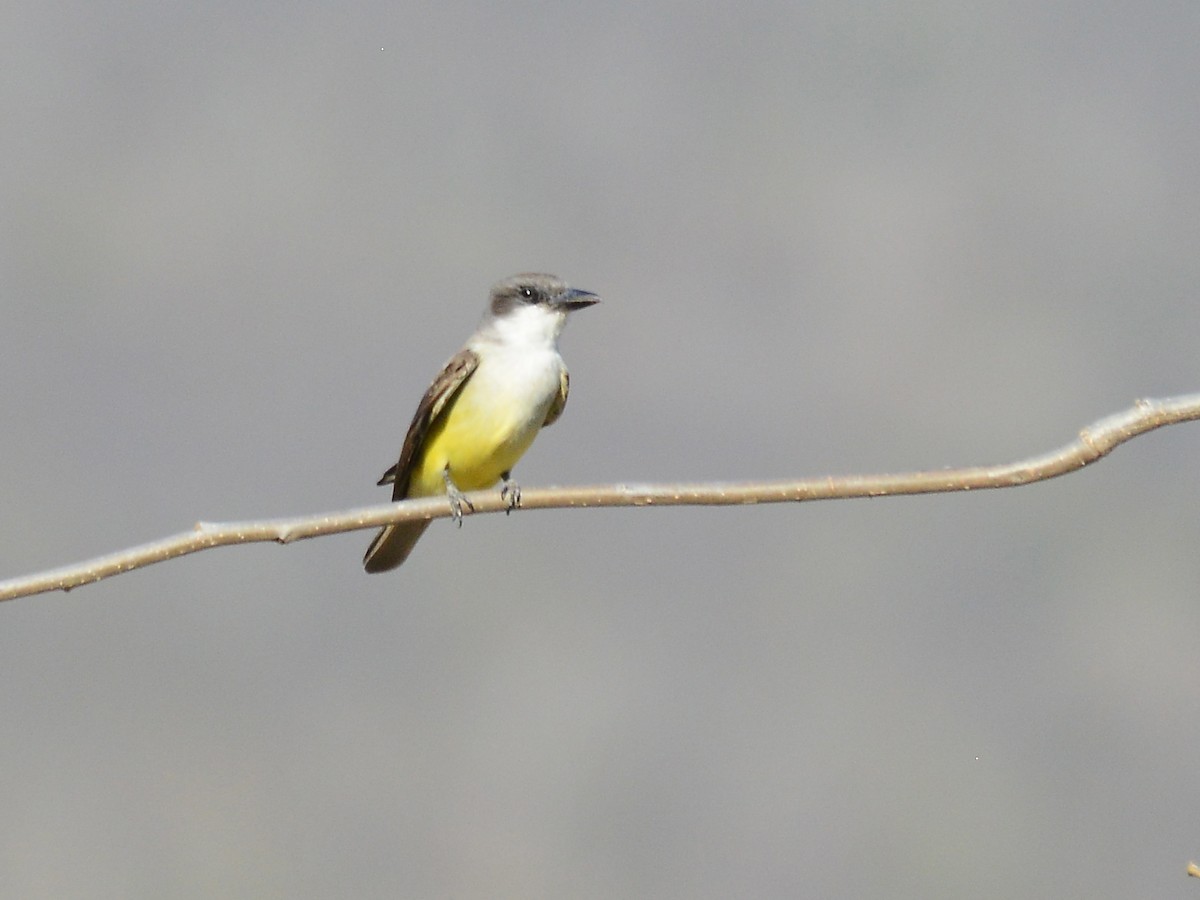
(237, 241)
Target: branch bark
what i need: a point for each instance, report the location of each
(1094, 442)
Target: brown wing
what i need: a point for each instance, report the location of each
(559, 403)
(444, 388)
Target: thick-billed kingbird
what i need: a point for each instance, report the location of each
(485, 407)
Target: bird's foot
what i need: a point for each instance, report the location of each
(457, 499)
(510, 491)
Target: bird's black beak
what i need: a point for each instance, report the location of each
(574, 298)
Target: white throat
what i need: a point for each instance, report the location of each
(529, 327)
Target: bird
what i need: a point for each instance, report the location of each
(485, 407)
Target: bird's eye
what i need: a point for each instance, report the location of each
(526, 292)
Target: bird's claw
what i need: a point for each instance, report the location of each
(510, 491)
(457, 500)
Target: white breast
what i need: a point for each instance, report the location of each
(517, 384)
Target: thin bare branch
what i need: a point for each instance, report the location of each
(1093, 442)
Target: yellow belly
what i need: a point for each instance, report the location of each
(478, 438)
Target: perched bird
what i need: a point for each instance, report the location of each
(485, 407)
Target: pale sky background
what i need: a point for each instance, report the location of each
(237, 241)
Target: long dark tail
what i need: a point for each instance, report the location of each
(392, 545)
